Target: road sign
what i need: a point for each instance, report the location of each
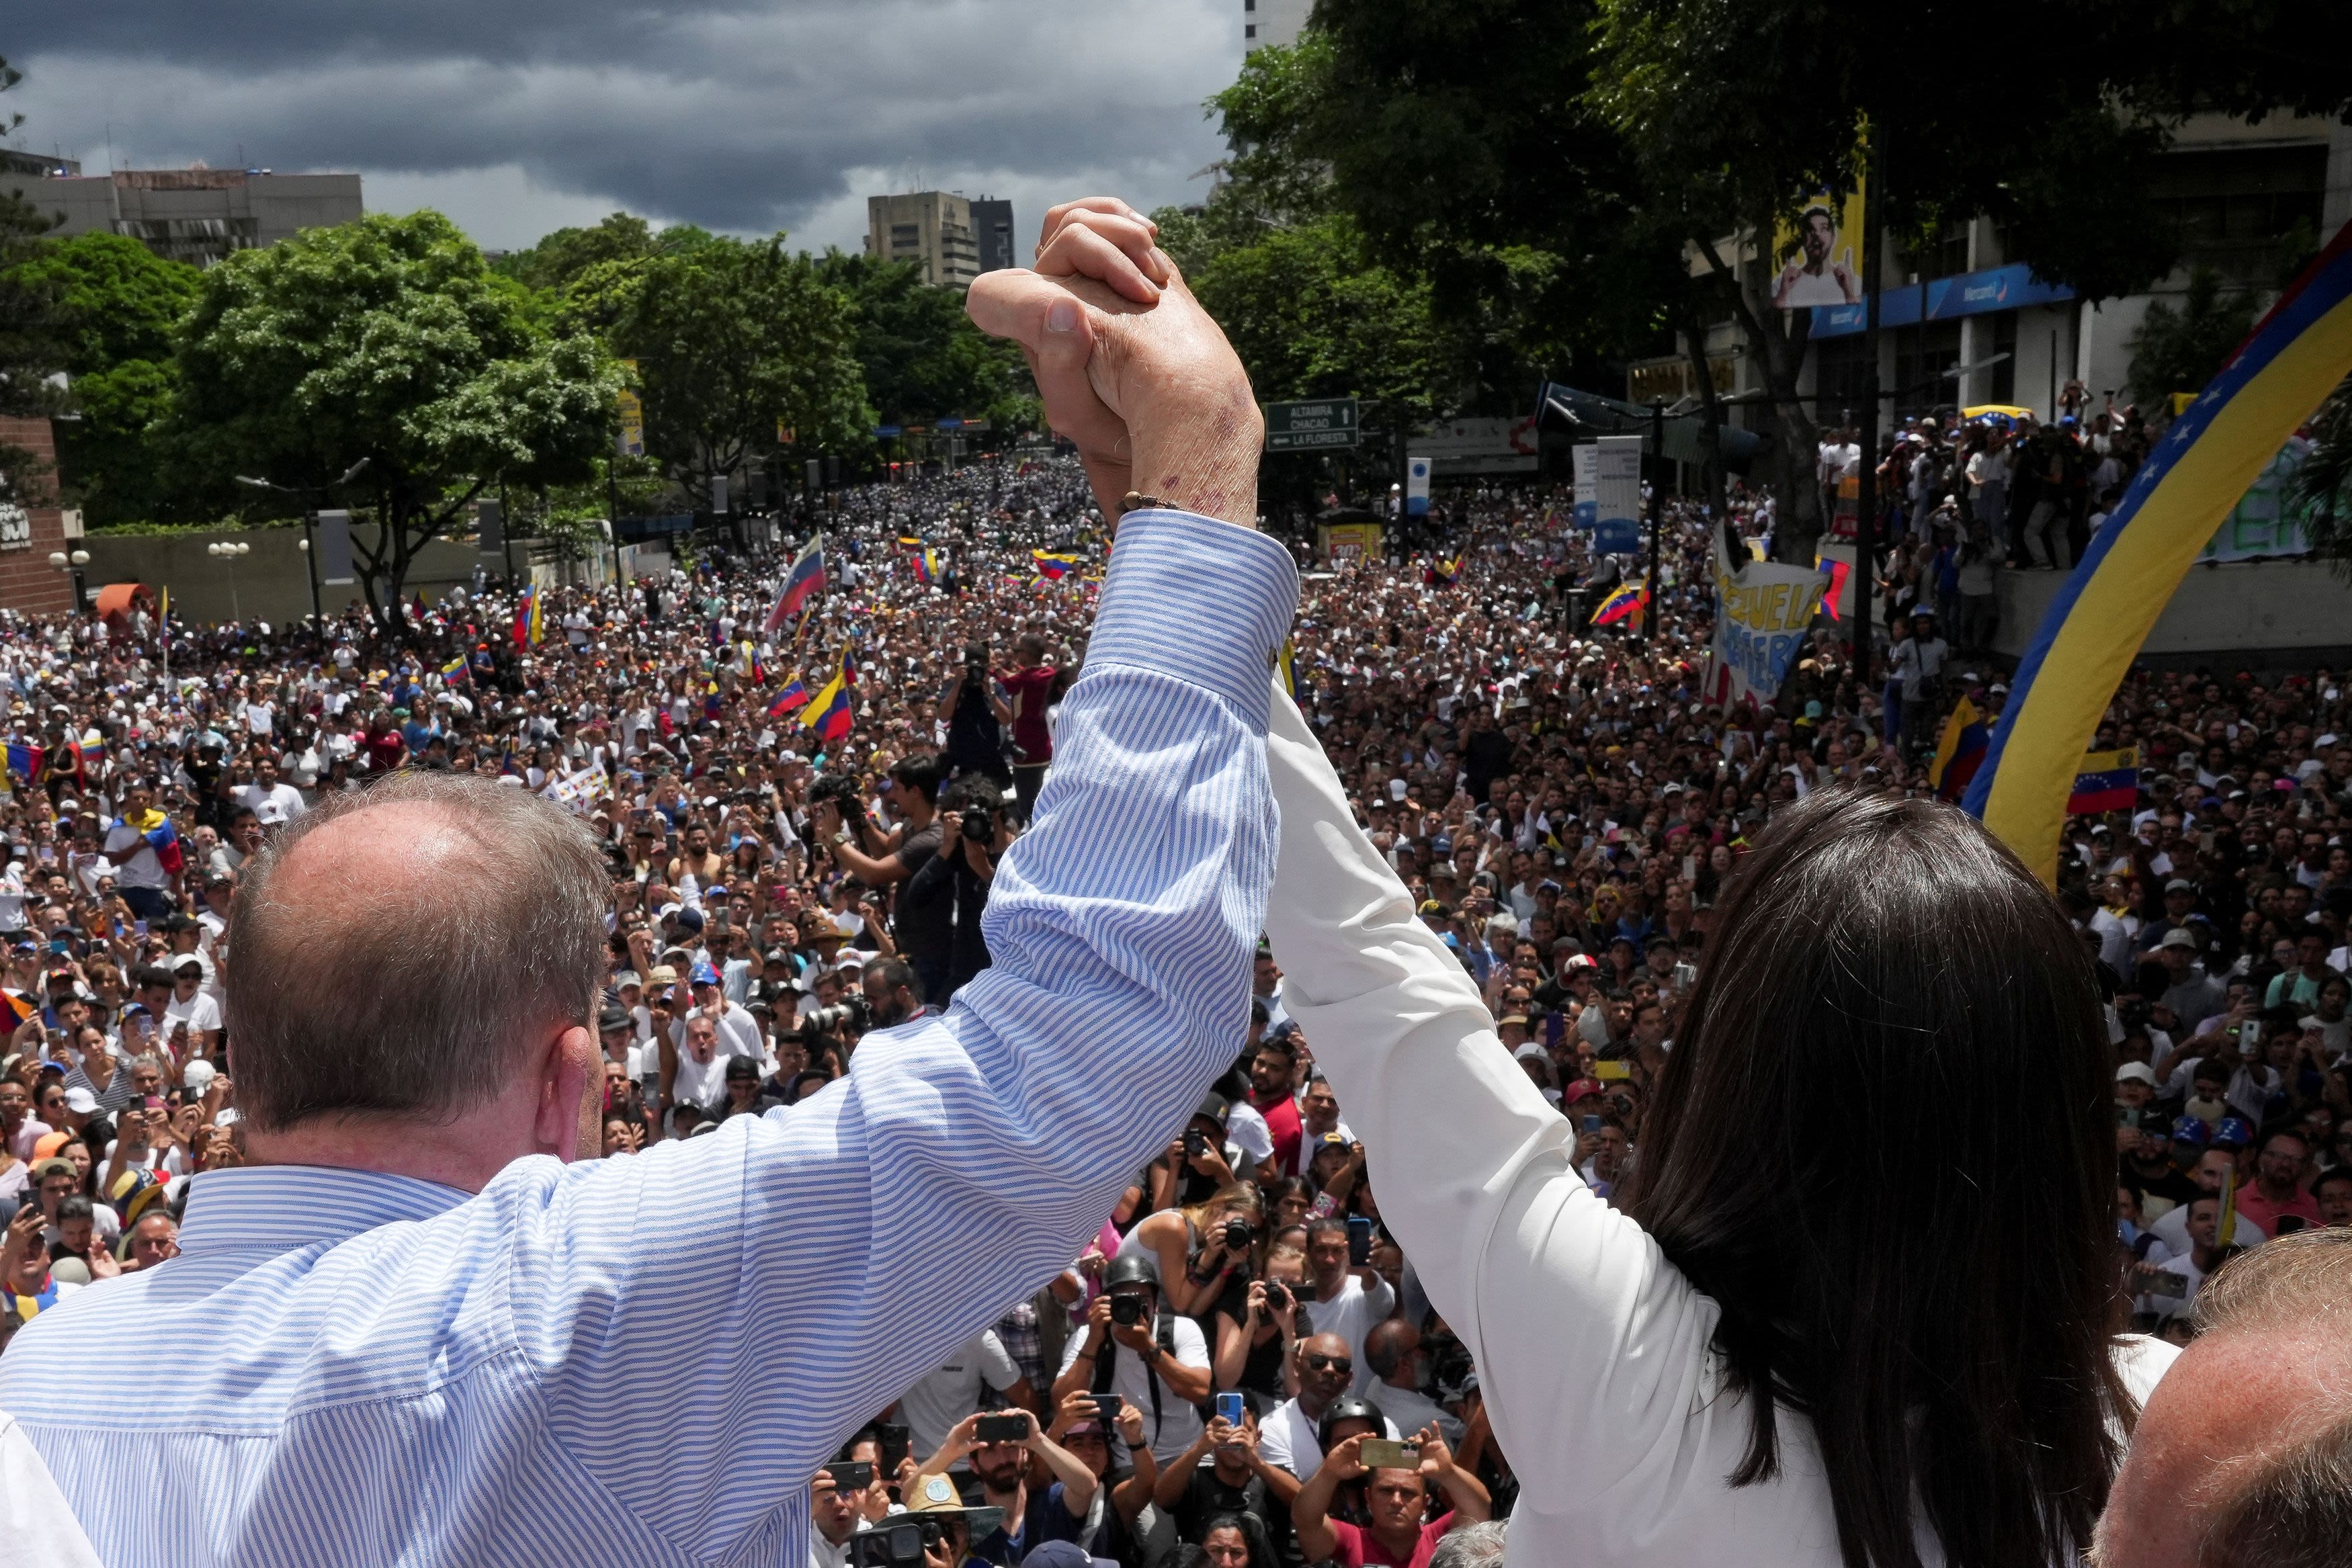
(1311, 427)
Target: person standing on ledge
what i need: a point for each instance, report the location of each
(441, 1333)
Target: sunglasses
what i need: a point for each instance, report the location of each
(1339, 1364)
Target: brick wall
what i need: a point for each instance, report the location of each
(28, 580)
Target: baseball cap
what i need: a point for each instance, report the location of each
(80, 1100)
(1213, 1107)
(705, 975)
(2180, 937)
(2233, 1133)
(609, 1020)
(1583, 1088)
(54, 1166)
(741, 1067)
(198, 1075)
(2181, 885)
(2135, 1072)
(660, 974)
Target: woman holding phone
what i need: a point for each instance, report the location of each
(1763, 1353)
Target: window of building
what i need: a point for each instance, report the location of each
(1250, 31)
(2234, 204)
(1838, 379)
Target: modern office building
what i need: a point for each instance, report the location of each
(1273, 21)
(933, 227)
(991, 225)
(197, 216)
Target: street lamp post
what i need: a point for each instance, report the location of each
(74, 563)
(309, 493)
(229, 551)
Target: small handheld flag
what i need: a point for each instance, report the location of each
(1626, 603)
(1053, 567)
(803, 581)
(793, 696)
(1959, 751)
(2107, 782)
(830, 712)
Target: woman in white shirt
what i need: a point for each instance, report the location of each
(1876, 1181)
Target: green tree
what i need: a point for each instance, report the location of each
(2178, 351)
(563, 258)
(732, 340)
(29, 350)
(387, 339)
(921, 355)
(113, 307)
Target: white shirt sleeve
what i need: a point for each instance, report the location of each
(41, 1526)
(997, 1367)
(1593, 1348)
(1247, 1128)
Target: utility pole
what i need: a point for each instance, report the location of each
(1865, 522)
(310, 562)
(1658, 511)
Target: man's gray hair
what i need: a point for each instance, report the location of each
(417, 999)
(2289, 1505)
(1470, 1546)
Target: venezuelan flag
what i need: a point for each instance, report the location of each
(793, 695)
(2108, 781)
(94, 748)
(1959, 751)
(1053, 568)
(15, 1008)
(804, 581)
(24, 762)
(526, 611)
(1447, 572)
(1626, 603)
(830, 711)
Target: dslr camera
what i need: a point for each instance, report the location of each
(843, 793)
(979, 825)
(1238, 1234)
(1127, 1311)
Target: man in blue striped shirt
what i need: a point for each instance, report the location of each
(414, 1331)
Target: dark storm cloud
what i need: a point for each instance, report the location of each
(737, 116)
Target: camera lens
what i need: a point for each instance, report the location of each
(1238, 1234)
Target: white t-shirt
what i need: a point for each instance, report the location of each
(1247, 1131)
(1179, 1423)
(1351, 1314)
(200, 1012)
(702, 1083)
(136, 863)
(932, 1406)
(281, 802)
(1288, 1439)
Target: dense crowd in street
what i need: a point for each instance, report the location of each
(803, 824)
(1965, 498)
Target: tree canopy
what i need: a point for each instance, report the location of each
(731, 342)
(921, 357)
(388, 340)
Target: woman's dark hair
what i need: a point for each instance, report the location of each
(1882, 1143)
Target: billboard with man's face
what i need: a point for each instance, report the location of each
(1819, 260)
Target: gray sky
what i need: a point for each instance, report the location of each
(518, 118)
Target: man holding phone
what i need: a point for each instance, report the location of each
(998, 1445)
(1350, 1294)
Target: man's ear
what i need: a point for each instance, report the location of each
(570, 1120)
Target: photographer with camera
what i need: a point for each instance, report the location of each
(977, 716)
(1203, 1247)
(1150, 1357)
(950, 891)
(1256, 1322)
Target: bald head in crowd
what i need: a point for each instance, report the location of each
(2243, 1455)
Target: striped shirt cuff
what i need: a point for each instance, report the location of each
(1203, 600)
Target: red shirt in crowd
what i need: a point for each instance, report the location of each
(1282, 1121)
(1030, 691)
(1360, 1548)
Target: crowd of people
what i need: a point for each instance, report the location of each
(802, 825)
(1963, 498)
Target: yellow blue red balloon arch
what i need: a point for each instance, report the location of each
(2093, 630)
